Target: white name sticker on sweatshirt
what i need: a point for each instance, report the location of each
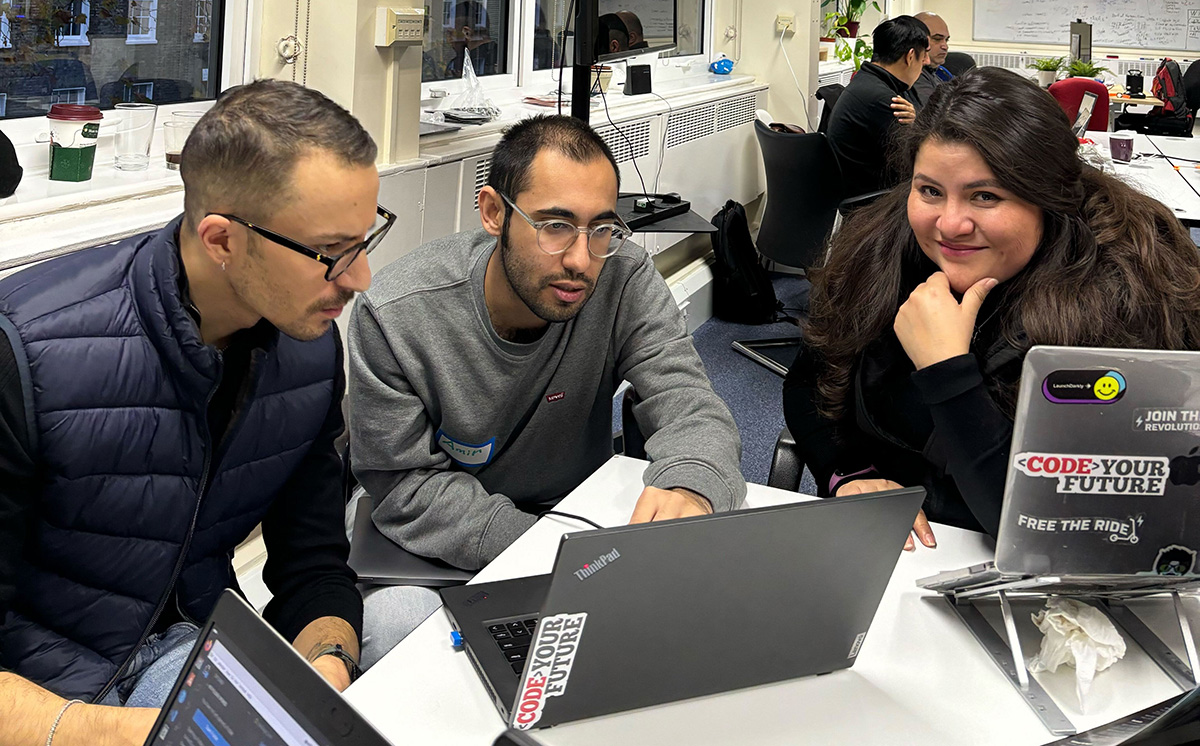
(465, 453)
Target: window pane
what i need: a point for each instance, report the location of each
(456, 28)
(104, 52)
(626, 24)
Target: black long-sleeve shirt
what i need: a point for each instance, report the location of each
(937, 427)
(861, 127)
(306, 569)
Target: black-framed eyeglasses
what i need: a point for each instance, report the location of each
(335, 266)
(556, 235)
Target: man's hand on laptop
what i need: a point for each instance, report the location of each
(920, 526)
(662, 505)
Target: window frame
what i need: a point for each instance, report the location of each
(150, 35)
(5, 33)
(501, 81)
(80, 39)
(199, 36)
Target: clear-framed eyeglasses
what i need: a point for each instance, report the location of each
(556, 235)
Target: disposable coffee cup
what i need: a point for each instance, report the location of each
(1121, 146)
(73, 132)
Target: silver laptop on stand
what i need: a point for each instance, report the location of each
(1099, 500)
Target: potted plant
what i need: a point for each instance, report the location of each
(1084, 69)
(1047, 68)
(860, 52)
(845, 24)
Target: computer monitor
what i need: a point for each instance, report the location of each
(627, 28)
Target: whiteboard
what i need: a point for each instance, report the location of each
(1136, 24)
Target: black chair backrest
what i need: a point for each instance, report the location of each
(829, 94)
(804, 186)
(959, 62)
(1191, 87)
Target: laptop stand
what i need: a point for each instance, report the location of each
(1010, 658)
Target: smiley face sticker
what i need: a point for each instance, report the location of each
(1109, 386)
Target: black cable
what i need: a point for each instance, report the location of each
(571, 515)
(562, 52)
(628, 144)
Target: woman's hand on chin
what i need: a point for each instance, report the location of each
(933, 326)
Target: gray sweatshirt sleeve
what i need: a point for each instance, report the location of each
(693, 441)
(420, 502)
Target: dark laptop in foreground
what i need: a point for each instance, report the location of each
(1103, 477)
(641, 615)
(244, 684)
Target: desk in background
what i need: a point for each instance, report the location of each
(1156, 177)
(920, 677)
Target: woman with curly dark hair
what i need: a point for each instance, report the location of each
(999, 237)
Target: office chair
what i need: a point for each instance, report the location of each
(1191, 87)
(829, 94)
(958, 62)
(804, 186)
(1069, 94)
(786, 465)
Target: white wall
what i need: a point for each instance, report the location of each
(761, 55)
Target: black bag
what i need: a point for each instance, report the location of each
(742, 291)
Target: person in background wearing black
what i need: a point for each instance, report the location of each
(934, 72)
(878, 97)
(162, 396)
(998, 238)
(10, 169)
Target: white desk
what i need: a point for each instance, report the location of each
(919, 679)
(1155, 177)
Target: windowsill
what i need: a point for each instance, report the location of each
(136, 40)
(450, 145)
(73, 42)
(38, 197)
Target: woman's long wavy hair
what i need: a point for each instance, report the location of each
(1114, 267)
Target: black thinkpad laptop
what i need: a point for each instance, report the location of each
(244, 684)
(658, 612)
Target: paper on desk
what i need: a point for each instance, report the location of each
(1077, 635)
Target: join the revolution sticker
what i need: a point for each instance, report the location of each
(1084, 387)
(551, 657)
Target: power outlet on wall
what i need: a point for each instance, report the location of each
(785, 23)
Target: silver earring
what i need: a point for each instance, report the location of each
(222, 266)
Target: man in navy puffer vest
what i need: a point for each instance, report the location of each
(162, 396)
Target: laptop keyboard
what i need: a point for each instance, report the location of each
(513, 639)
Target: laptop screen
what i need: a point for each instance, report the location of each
(225, 700)
(1085, 113)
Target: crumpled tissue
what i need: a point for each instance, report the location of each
(1077, 635)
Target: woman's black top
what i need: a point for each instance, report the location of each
(940, 428)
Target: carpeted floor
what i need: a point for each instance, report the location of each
(753, 393)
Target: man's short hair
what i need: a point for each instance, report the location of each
(894, 37)
(514, 154)
(242, 153)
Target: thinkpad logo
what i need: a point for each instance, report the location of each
(597, 565)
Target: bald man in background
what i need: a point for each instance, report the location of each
(939, 46)
(637, 38)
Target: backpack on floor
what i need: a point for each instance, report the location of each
(742, 291)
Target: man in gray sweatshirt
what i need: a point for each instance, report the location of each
(483, 365)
